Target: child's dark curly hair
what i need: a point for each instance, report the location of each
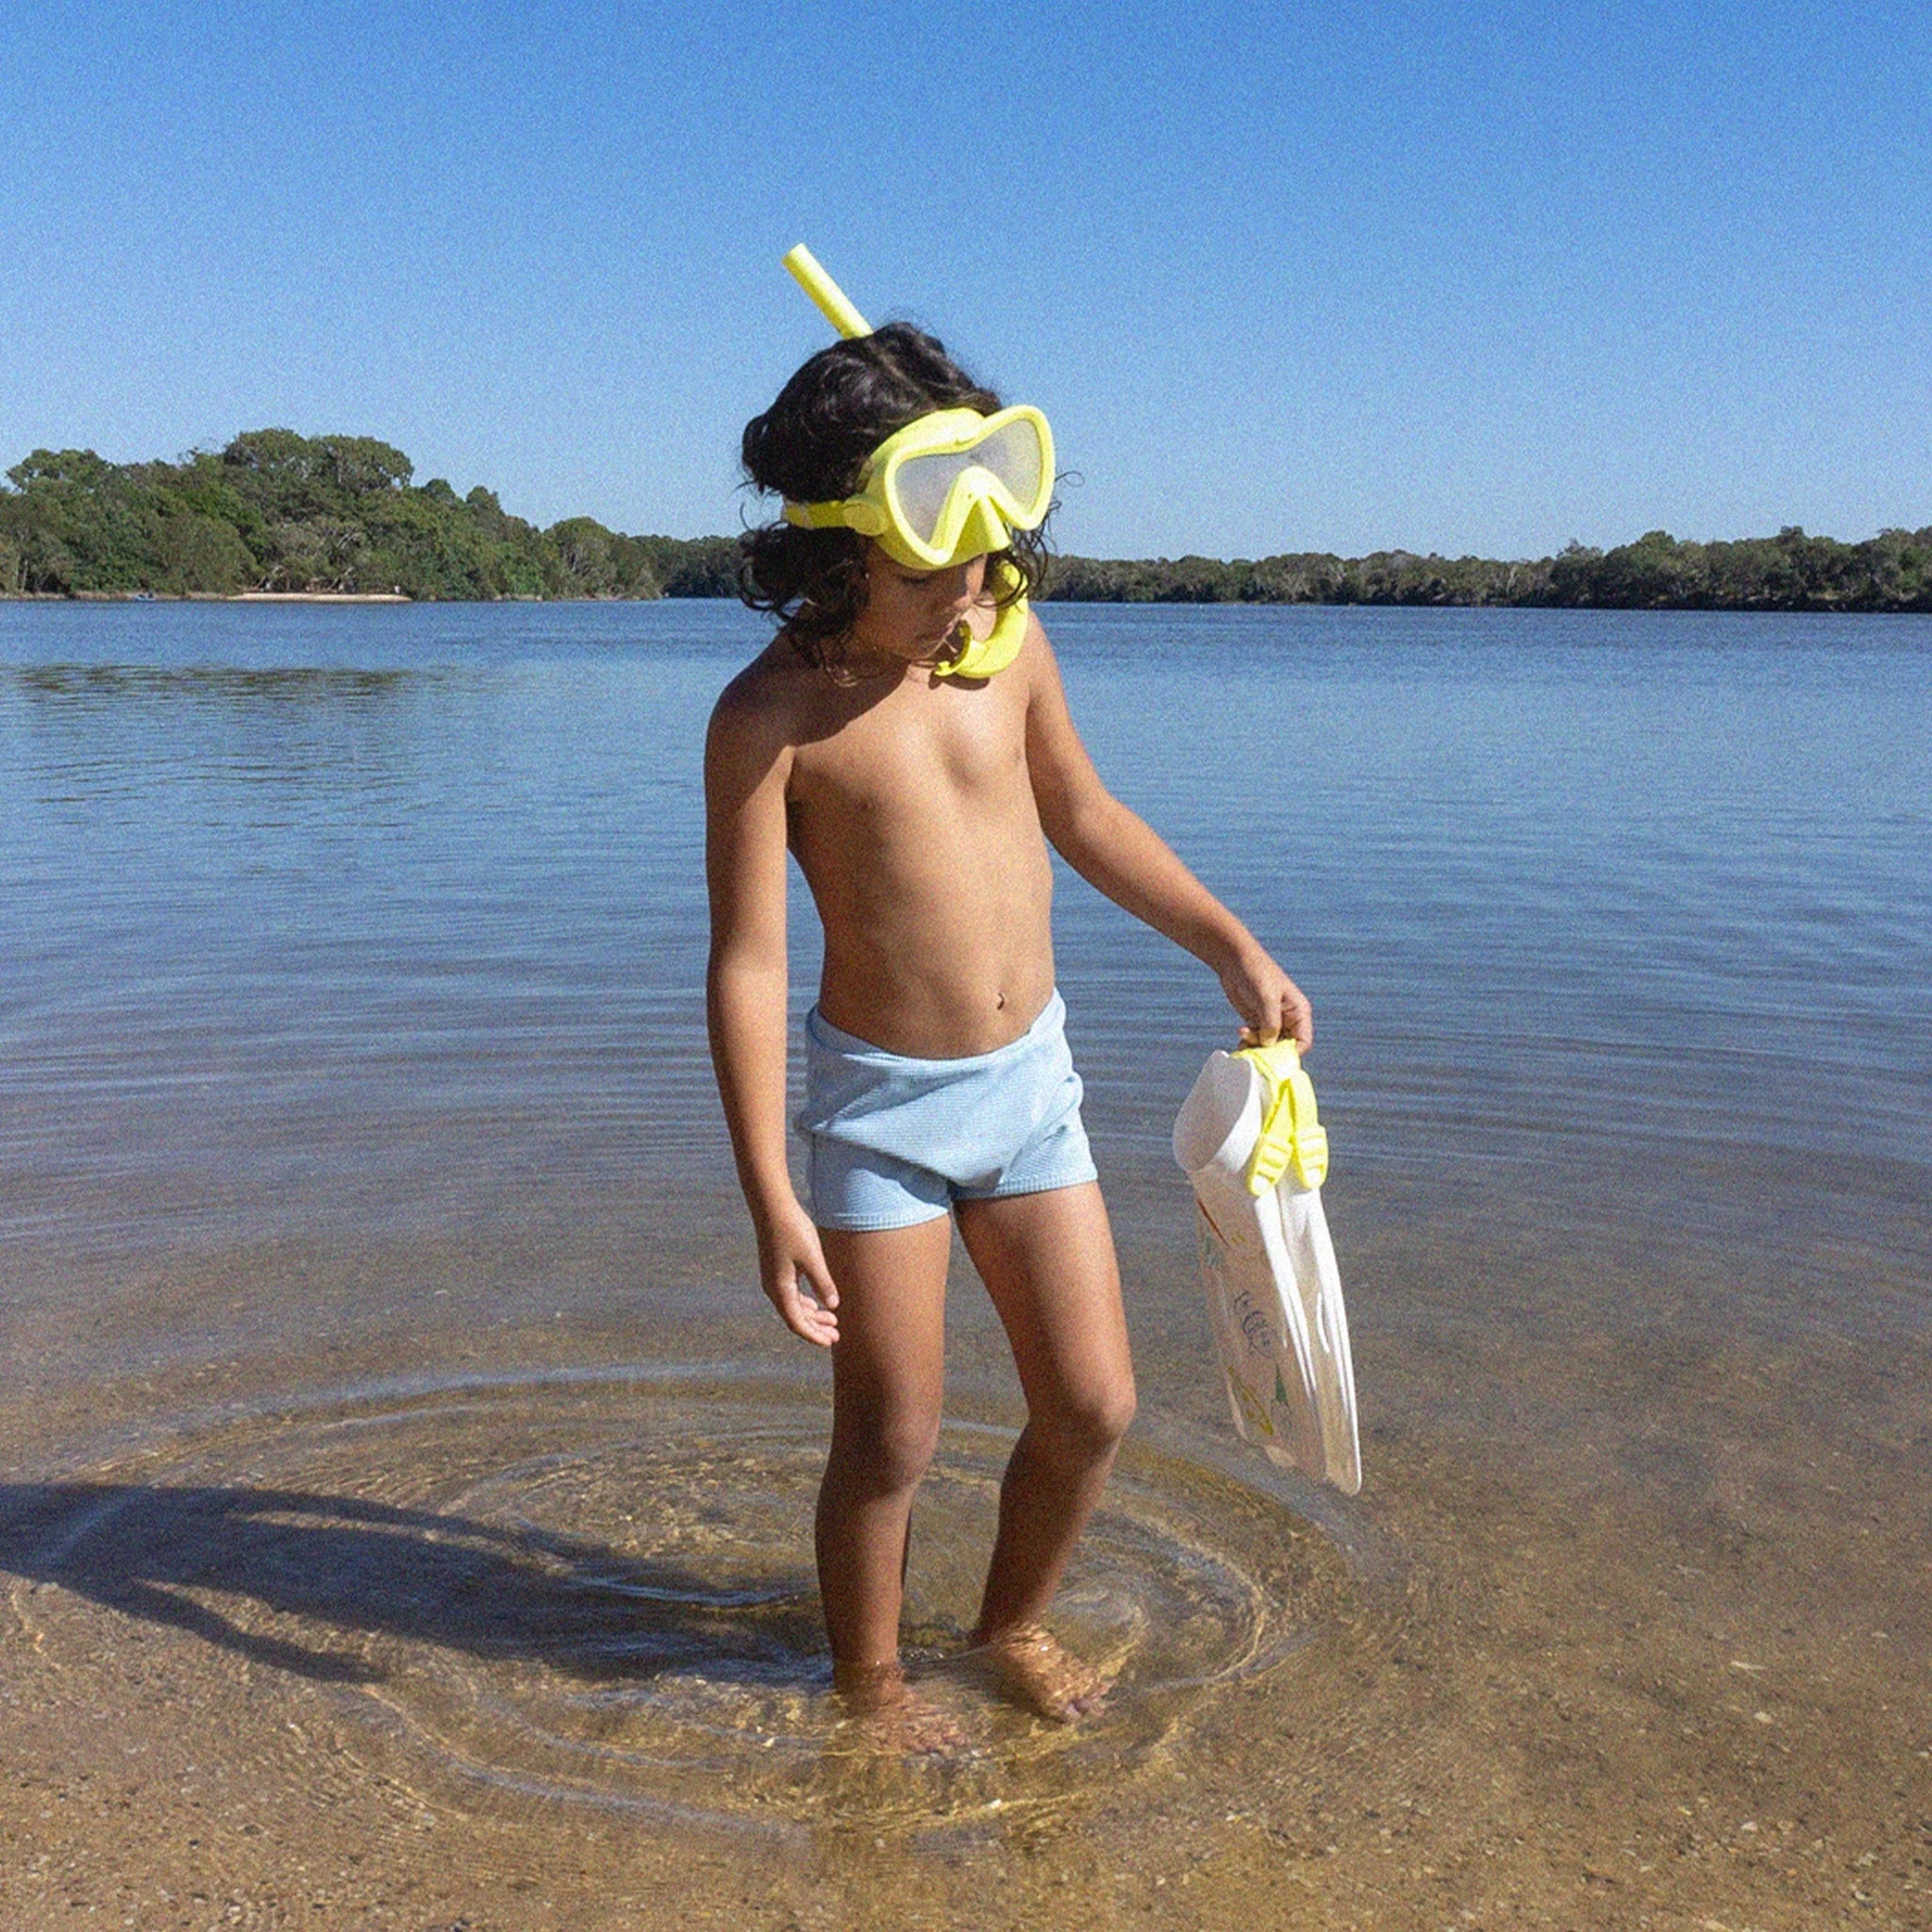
(810, 446)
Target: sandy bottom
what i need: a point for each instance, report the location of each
(1629, 1627)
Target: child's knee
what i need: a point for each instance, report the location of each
(1089, 1423)
(886, 1452)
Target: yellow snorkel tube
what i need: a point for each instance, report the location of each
(947, 488)
(833, 302)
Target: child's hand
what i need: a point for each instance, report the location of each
(1271, 1005)
(796, 1278)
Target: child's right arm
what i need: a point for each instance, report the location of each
(746, 766)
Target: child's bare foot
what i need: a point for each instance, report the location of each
(1039, 1674)
(889, 1715)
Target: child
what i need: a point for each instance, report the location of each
(919, 802)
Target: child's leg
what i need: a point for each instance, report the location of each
(1048, 1262)
(888, 1377)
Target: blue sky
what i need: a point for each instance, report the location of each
(1478, 277)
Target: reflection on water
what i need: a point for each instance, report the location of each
(95, 686)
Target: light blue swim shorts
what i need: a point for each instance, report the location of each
(893, 1142)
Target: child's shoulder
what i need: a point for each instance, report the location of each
(776, 676)
(769, 700)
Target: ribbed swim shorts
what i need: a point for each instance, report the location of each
(893, 1140)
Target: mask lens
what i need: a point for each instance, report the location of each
(924, 483)
(1013, 453)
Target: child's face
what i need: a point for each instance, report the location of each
(912, 614)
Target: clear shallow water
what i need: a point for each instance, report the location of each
(382, 917)
(598, 1588)
(379, 1313)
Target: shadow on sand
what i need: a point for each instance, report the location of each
(155, 1551)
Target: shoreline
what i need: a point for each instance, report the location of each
(313, 597)
(230, 597)
(1810, 609)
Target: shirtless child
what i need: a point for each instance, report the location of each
(918, 801)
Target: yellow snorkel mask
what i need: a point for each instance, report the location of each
(951, 485)
(947, 488)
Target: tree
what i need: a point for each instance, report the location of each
(581, 547)
(202, 555)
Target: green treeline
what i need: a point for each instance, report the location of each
(278, 511)
(1788, 572)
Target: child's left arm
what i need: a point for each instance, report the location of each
(1119, 852)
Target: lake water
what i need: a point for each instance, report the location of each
(389, 1369)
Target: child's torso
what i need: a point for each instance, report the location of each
(912, 816)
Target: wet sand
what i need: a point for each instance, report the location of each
(508, 1622)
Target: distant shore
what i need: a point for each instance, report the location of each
(277, 517)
